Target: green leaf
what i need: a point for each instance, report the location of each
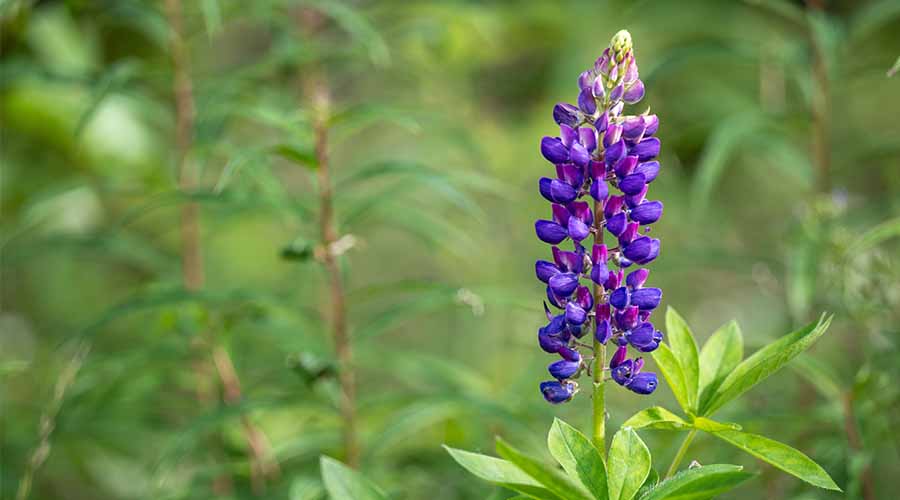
(699, 483)
(709, 425)
(649, 483)
(672, 372)
(579, 457)
(501, 472)
(212, 17)
(681, 340)
(550, 477)
(727, 138)
(656, 417)
(629, 464)
(781, 456)
(720, 355)
(300, 155)
(344, 483)
(765, 362)
(356, 24)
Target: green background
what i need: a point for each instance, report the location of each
(781, 182)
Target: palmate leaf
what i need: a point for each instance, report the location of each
(722, 352)
(681, 341)
(501, 472)
(344, 483)
(765, 362)
(550, 477)
(699, 483)
(578, 456)
(656, 417)
(629, 464)
(781, 456)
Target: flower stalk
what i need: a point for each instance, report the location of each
(679, 455)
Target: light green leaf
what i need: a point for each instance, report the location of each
(649, 483)
(629, 464)
(344, 483)
(720, 355)
(550, 477)
(212, 17)
(781, 456)
(501, 472)
(306, 488)
(671, 370)
(681, 340)
(709, 425)
(301, 155)
(491, 469)
(765, 362)
(578, 457)
(699, 483)
(656, 417)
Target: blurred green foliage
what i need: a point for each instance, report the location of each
(780, 178)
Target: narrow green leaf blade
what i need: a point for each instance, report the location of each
(721, 353)
(765, 362)
(550, 477)
(344, 483)
(656, 417)
(709, 425)
(681, 340)
(671, 370)
(629, 464)
(781, 456)
(491, 469)
(578, 456)
(699, 483)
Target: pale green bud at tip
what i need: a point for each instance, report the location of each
(621, 42)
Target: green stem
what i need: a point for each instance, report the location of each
(682, 451)
(598, 430)
(599, 424)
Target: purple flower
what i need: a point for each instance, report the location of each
(558, 392)
(608, 157)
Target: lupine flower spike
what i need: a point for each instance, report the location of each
(608, 157)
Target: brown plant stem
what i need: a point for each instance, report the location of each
(343, 347)
(262, 460)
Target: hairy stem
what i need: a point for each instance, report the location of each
(598, 428)
(192, 256)
(682, 451)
